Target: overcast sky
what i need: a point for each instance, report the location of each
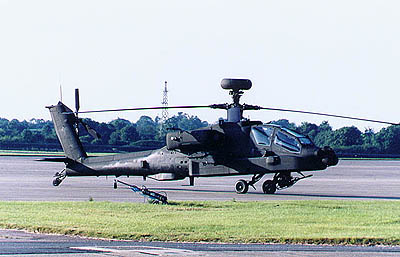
(340, 57)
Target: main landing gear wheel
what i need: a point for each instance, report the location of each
(241, 186)
(269, 187)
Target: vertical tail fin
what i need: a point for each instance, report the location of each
(64, 120)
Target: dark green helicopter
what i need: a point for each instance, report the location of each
(235, 146)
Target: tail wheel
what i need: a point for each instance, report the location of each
(269, 187)
(59, 177)
(241, 186)
(56, 182)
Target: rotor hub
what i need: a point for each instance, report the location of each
(236, 87)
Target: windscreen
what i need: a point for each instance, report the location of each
(287, 141)
(263, 135)
(303, 139)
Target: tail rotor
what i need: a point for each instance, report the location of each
(77, 106)
(91, 131)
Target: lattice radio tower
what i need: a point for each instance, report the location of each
(164, 114)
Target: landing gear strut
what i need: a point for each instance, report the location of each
(284, 179)
(281, 181)
(59, 177)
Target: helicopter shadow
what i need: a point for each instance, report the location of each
(278, 194)
(193, 190)
(169, 189)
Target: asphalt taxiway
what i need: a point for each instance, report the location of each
(24, 179)
(20, 243)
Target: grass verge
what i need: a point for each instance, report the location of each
(315, 222)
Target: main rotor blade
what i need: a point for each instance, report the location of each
(329, 115)
(150, 108)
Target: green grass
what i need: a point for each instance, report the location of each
(317, 222)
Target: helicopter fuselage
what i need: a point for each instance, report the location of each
(237, 149)
(235, 146)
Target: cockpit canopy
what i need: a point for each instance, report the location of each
(265, 135)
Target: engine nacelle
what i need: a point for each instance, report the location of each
(195, 141)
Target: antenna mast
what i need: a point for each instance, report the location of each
(59, 82)
(164, 114)
(61, 93)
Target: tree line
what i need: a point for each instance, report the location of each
(148, 133)
(118, 134)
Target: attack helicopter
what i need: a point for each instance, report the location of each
(232, 147)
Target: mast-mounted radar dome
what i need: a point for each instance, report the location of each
(236, 84)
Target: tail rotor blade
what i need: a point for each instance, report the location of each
(89, 129)
(77, 104)
(92, 131)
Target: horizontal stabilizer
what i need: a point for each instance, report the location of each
(56, 159)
